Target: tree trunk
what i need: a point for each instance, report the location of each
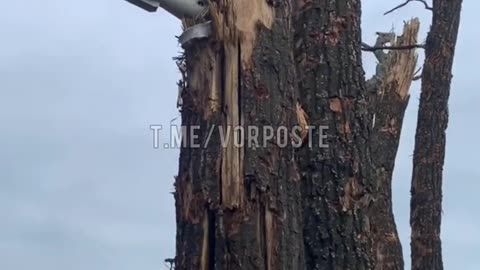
(389, 95)
(239, 207)
(429, 154)
(337, 180)
(243, 203)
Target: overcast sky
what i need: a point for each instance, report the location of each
(81, 186)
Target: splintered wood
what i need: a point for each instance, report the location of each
(232, 176)
(402, 63)
(236, 22)
(235, 29)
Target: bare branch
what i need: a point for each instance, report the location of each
(418, 71)
(171, 263)
(416, 78)
(406, 3)
(368, 48)
(417, 75)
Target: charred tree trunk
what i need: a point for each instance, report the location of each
(389, 95)
(239, 206)
(240, 201)
(338, 180)
(429, 154)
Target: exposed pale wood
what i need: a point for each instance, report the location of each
(232, 177)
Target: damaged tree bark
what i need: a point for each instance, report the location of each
(389, 95)
(347, 188)
(338, 180)
(429, 154)
(259, 204)
(238, 202)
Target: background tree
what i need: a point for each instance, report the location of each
(429, 154)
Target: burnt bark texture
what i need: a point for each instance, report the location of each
(239, 206)
(337, 181)
(429, 153)
(389, 96)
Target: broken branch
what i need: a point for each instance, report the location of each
(368, 48)
(171, 263)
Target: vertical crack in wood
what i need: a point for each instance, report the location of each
(231, 174)
(205, 242)
(269, 239)
(235, 23)
(207, 260)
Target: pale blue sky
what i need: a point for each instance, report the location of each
(81, 186)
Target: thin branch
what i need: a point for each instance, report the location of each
(418, 71)
(406, 3)
(171, 262)
(369, 48)
(416, 78)
(417, 75)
